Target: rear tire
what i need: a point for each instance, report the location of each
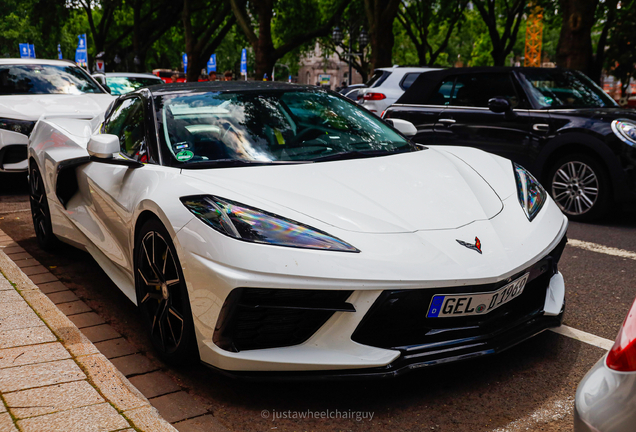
(580, 186)
(162, 296)
(40, 212)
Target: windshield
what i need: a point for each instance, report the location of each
(270, 127)
(121, 85)
(566, 89)
(45, 79)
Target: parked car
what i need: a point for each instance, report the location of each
(606, 397)
(353, 91)
(167, 74)
(269, 227)
(30, 88)
(125, 82)
(387, 85)
(557, 123)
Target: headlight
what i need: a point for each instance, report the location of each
(531, 194)
(250, 224)
(625, 130)
(19, 126)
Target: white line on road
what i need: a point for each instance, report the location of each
(582, 336)
(607, 250)
(550, 412)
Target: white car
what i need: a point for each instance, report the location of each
(30, 88)
(268, 228)
(387, 85)
(120, 83)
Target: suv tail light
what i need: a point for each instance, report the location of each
(373, 96)
(622, 356)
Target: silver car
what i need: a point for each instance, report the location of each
(606, 397)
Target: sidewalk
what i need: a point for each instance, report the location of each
(52, 378)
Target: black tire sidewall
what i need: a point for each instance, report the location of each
(48, 241)
(187, 352)
(604, 198)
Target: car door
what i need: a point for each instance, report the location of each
(468, 121)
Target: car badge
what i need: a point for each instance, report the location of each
(476, 247)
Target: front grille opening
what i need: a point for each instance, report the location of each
(13, 154)
(259, 318)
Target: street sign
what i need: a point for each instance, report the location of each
(185, 62)
(59, 52)
(325, 80)
(81, 54)
(100, 65)
(24, 50)
(212, 63)
(244, 62)
(31, 51)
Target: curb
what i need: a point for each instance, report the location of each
(101, 373)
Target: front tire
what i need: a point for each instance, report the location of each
(40, 212)
(580, 186)
(162, 296)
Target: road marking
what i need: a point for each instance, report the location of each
(602, 249)
(582, 336)
(550, 412)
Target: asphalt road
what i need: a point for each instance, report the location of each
(530, 387)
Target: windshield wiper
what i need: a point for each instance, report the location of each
(358, 154)
(229, 163)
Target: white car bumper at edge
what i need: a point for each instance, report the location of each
(10, 139)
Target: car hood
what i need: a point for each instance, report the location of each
(31, 107)
(425, 190)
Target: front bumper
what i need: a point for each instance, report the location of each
(13, 151)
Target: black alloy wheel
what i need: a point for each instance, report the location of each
(580, 187)
(40, 212)
(162, 295)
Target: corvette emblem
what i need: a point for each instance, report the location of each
(476, 247)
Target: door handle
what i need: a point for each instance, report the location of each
(446, 121)
(540, 127)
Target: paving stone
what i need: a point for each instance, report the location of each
(73, 308)
(62, 297)
(100, 333)
(154, 384)
(148, 419)
(6, 423)
(3, 409)
(25, 319)
(87, 319)
(27, 263)
(19, 255)
(10, 357)
(47, 400)
(206, 423)
(5, 285)
(7, 309)
(26, 336)
(134, 364)
(51, 287)
(179, 406)
(12, 249)
(115, 348)
(39, 375)
(94, 418)
(38, 269)
(43, 278)
(113, 385)
(9, 296)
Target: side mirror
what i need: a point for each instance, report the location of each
(499, 105)
(407, 128)
(103, 146)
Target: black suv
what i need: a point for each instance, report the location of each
(555, 122)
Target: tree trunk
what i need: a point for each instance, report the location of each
(380, 15)
(574, 50)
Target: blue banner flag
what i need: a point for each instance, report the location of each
(31, 51)
(185, 63)
(81, 55)
(24, 50)
(244, 62)
(59, 52)
(212, 64)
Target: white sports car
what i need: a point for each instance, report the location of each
(267, 228)
(30, 88)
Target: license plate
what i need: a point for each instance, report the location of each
(455, 305)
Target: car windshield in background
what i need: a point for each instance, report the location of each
(45, 79)
(566, 89)
(121, 85)
(270, 127)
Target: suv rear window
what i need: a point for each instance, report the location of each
(378, 78)
(408, 80)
